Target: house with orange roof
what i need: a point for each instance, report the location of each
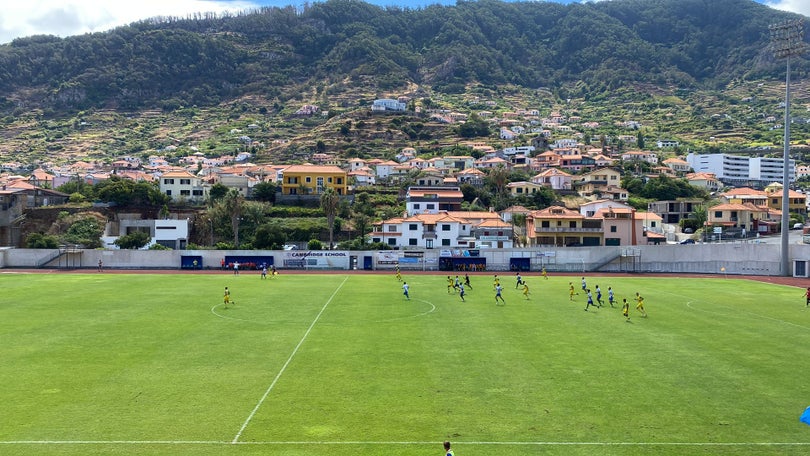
(707, 181)
(737, 218)
(472, 176)
(431, 200)
(182, 185)
(637, 155)
(797, 202)
(313, 180)
(620, 225)
(449, 230)
(746, 195)
(678, 165)
(597, 181)
(559, 226)
(555, 178)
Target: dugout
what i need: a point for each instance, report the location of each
(188, 262)
(248, 262)
(520, 264)
(464, 264)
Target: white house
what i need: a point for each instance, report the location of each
(387, 104)
(169, 233)
(183, 185)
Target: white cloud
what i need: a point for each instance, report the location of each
(794, 6)
(75, 17)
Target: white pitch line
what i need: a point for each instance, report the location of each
(284, 367)
(403, 443)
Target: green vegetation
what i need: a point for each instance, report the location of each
(347, 366)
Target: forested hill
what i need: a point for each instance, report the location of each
(578, 48)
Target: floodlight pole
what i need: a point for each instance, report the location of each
(786, 41)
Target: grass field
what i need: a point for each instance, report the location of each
(154, 364)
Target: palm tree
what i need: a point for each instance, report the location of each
(329, 204)
(232, 203)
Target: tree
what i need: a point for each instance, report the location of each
(329, 204)
(41, 241)
(264, 191)
(133, 241)
(217, 192)
(232, 205)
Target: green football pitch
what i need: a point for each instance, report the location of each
(343, 364)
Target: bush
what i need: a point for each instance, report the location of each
(315, 244)
(41, 241)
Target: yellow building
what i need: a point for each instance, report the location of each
(313, 180)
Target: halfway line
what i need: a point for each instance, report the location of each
(284, 367)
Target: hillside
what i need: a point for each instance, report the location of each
(679, 67)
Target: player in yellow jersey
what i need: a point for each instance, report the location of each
(544, 273)
(449, 284)
(226, 298)
(496, 282)
(626, 309)
(640, 305)
(571, 291)
(525, 290)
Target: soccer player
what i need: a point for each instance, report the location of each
(456, 283)
(399, 275)
(264, 272)
(497, 282)
(447, 450)
(640, 305)
(584, 285)
(461, 292)
(571, 291)
(226, 299)
(235, 268)
(807, 295)
(449, 284)
(518, 280)
(599, 296)
(544, 273)
(590, 299)
(498, 296)
(273, 271)
(610, 296)
(626, 309)
(405, 289)
(467, 281)
(525, 290)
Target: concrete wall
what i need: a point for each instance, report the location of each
(738, 258)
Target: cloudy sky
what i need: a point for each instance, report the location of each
(74, 17)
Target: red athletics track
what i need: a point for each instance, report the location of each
(801, 282)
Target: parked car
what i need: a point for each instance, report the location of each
(687, 241)
(688, 230)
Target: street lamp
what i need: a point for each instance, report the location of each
(787, 39)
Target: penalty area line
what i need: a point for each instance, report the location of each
(287, 363)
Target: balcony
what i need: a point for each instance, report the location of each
(561, 229)
(429, 235)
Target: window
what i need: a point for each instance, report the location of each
(431, 206)
(307, 179)
(329, 179)
(572, 224)
(392, 228)
(392, 241)
(416, 205)
(340, 181)
(612, 229)
(412, 241)
(445, 227)
(319, 182)
(168, 181)
(185, 193)
(185, 181)
(168, 193)
(197, 192)
(718, 214)
(445, 242)
(545, 224)
(412, 227)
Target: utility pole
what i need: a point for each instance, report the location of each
(787, 40)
